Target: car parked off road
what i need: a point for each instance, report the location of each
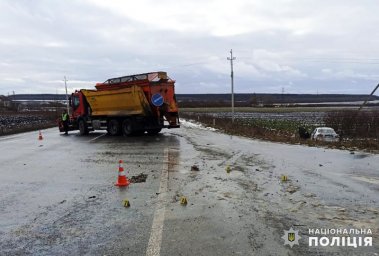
(325, 134)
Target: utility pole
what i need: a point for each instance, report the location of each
(65, 85)
(368, 98)
(232, 82)
(56, 103)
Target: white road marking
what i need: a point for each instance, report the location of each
(155, 241)
(97, 137)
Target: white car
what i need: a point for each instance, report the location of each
(325, 134)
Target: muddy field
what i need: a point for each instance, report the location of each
(301, 118)
(14, 122)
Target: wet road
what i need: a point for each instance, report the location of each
(57, 196)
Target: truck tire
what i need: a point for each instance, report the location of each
(127, 127)
(154, 131)
(114, 127)
(83, 129)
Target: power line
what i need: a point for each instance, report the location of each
(368, 61)
(283, 61)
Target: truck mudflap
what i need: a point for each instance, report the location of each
(171, 117)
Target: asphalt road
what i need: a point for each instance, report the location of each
(57, 196)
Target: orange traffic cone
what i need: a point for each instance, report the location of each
(122, 179)
(40, 136)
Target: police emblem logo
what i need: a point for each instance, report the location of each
(291, 237)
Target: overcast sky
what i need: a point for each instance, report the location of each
(298, 46)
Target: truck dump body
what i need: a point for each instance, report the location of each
(155, 83)
(118, 102)
(152, 84)
(128, 104)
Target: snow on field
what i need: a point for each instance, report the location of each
(193, 124)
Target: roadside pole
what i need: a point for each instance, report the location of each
(65, 85)
(368, 98)
(232, 82)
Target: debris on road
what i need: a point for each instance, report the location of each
(221, 179)
(195, 168)
(228, 169)
(183, 200)
(284, 178)
(126, 203)
(175, 198)
(139, 178)
(298, 206)
(309, 195)
(292, 189)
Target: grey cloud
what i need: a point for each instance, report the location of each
(292, 46)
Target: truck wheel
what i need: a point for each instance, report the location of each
(154, 131)
(83, 130)
(113, 127)
(127, 127)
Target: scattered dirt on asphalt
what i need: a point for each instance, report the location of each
(195, 168)
(139, 178)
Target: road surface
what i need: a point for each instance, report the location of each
(57, 195)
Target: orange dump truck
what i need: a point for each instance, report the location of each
(126, 105)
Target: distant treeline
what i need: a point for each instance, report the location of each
(264, 99)
(241, 99)
(47, 97)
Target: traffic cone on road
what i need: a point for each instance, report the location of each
(40, 136)
(122, 180)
